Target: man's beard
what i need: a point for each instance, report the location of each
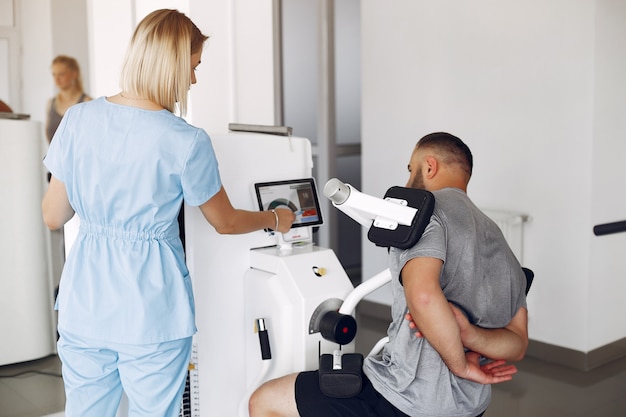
(418, 181)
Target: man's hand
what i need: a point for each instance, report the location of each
(492, 373)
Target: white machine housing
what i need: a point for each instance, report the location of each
(291, 291)
(26, 283)
(238, 278)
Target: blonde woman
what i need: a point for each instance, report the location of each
(66, 74)
(125, 163)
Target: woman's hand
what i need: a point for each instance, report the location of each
(285, 218)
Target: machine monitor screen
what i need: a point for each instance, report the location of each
(298, 195)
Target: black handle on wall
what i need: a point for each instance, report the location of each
(609, 228)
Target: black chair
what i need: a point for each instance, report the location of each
(530, 275)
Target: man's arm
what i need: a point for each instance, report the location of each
(508, 343)
(431, 312)
(436, 320)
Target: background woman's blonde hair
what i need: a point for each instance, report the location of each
(157, 65)
(71, 64)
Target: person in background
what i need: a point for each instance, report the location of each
(458, 294)
(68, 81)
(4, 108)
(124, 164)
(67, 78)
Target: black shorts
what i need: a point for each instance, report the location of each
(313, 403)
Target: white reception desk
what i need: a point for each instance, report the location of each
(26, 294)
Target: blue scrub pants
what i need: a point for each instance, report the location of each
(95, 373)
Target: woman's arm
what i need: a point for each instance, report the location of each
(55, 206)
(226, 219)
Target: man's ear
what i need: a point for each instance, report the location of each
(431, 166)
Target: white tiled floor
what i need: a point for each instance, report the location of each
(540, 389)
(31, 389)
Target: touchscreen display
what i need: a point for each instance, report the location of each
(300, 196)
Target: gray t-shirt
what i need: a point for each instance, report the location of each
(480, 275)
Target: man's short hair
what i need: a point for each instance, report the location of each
(451, 148)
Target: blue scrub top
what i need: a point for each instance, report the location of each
(127, 171)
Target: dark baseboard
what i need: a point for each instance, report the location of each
(582, 361)
(376, 317)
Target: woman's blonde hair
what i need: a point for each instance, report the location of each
(71, 64)
(157, 65)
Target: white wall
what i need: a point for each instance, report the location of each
(69, 18)
(109, 28)
(235, 79)
(37, 54)
(606, 285)
(531, 87)
(44, 35)
(535, 88)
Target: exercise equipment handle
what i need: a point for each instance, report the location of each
(609, 228)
